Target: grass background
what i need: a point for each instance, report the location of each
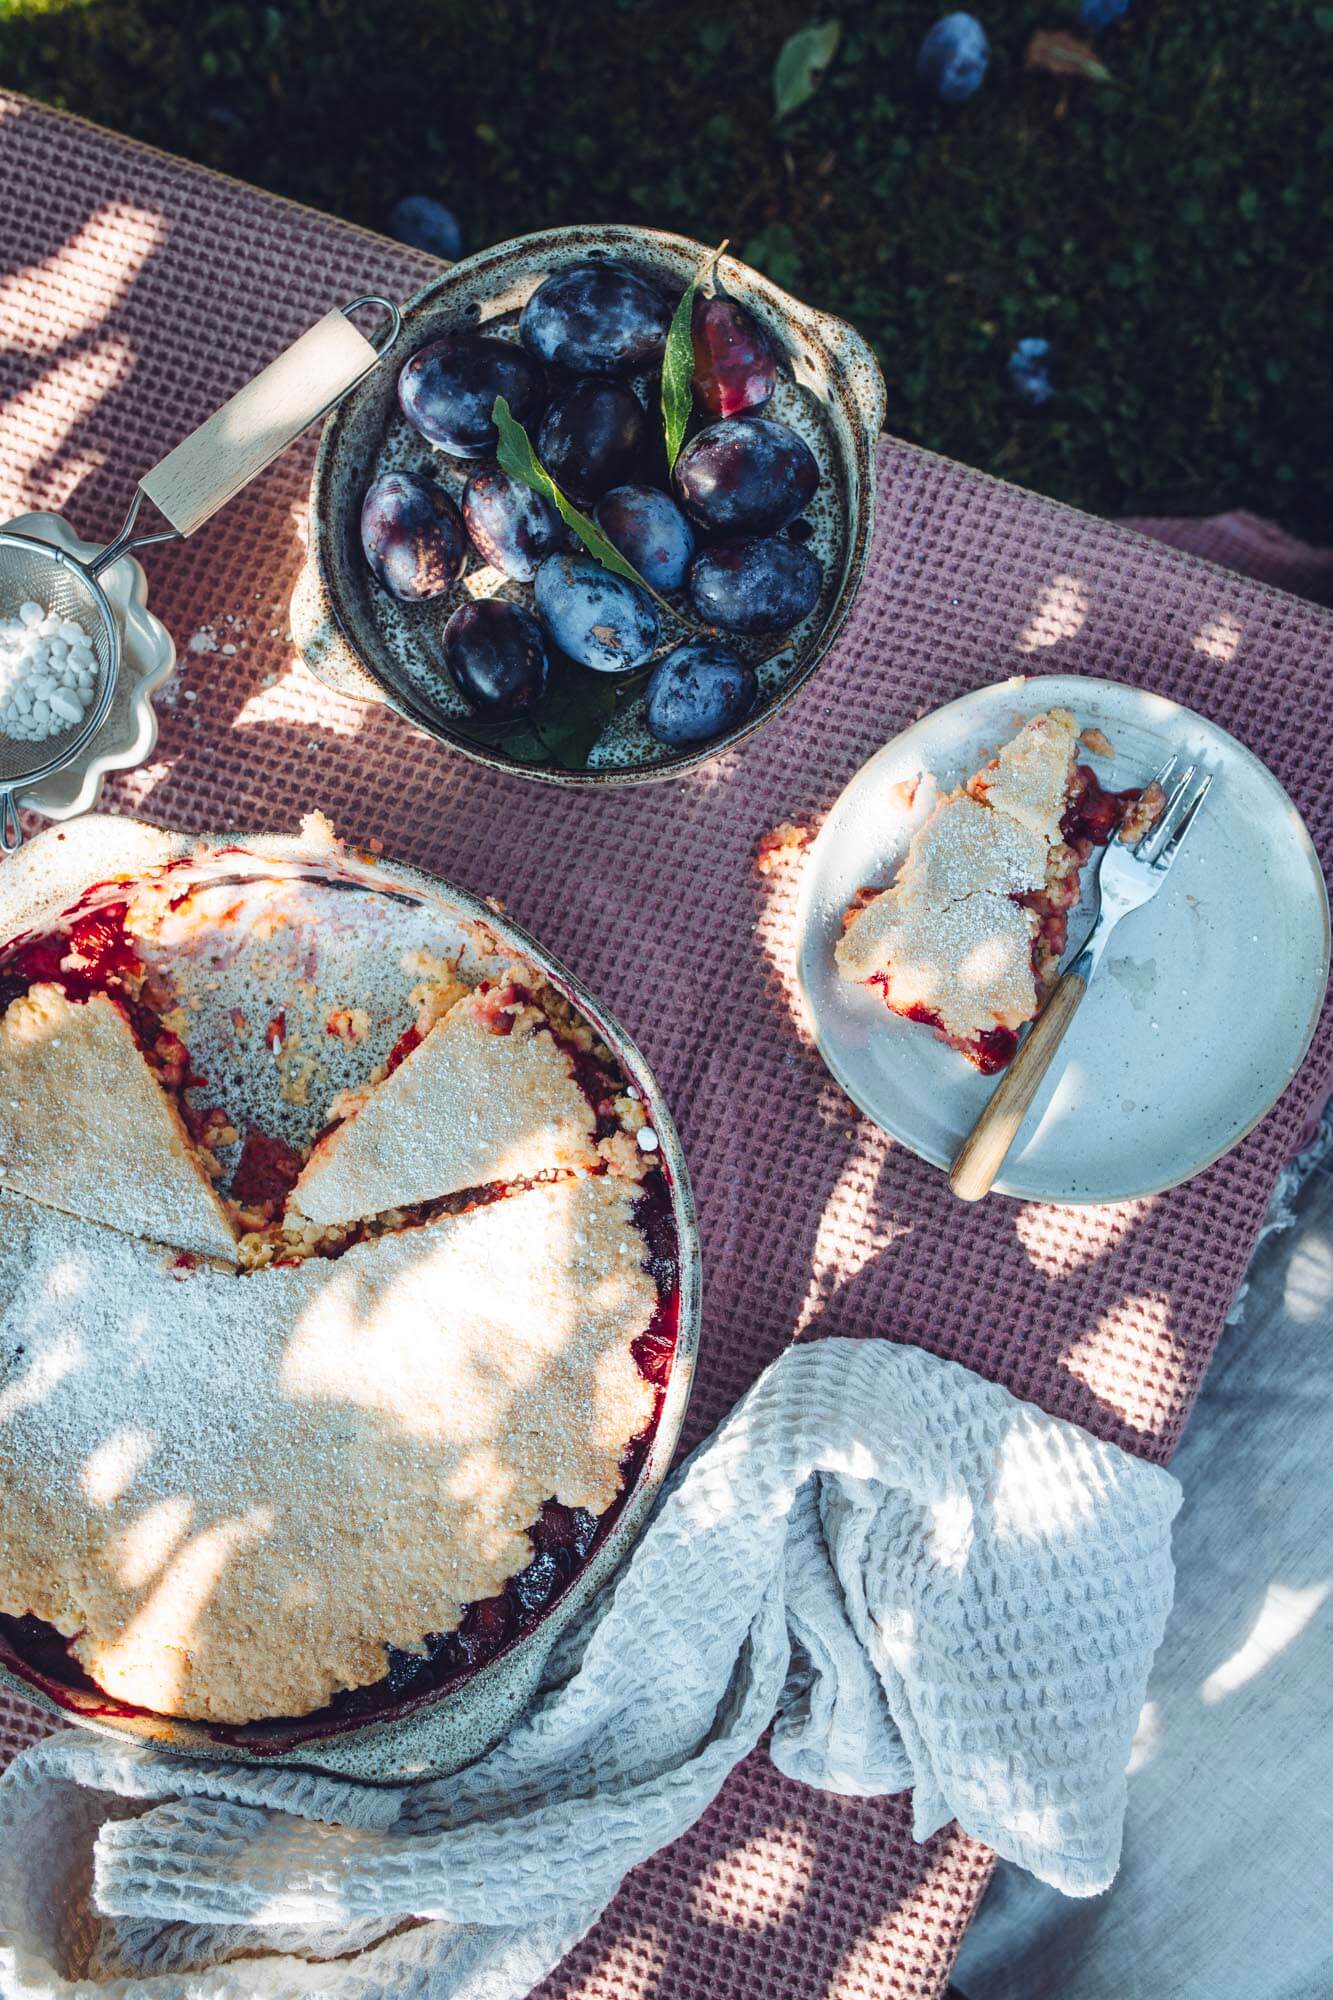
(1169, 233)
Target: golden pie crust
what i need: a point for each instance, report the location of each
(488, 1095)
(947, 941)
(234, 1492)
(87, 1127)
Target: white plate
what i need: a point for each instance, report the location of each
(147, 656)
(1201, 1010)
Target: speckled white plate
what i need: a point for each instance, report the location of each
(147, 656)
(1200, 1013)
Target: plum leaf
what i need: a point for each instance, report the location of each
(801, 63)
(517, 457)
(678, 363)
(1060, 54)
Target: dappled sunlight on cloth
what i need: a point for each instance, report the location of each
(1283, 1616)
(1063, 1242)
(758, 1883)
(45, 472)
(1122, 1355)
(78, 287)
(1060, 614)
(295, 696)
(1218, 639)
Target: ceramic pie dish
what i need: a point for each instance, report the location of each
(348, 1299)
(365, 645)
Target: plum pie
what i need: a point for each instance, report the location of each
(294, 1431)
(968, 937)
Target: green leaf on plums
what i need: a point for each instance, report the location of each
(517, 457)
(801, 63)
(678, 363)
(565, 725)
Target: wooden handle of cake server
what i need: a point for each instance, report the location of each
(986, 1147)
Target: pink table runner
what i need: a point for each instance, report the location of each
(137, 293)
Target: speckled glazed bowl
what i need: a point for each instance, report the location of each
(362, 643)
(376, 1734)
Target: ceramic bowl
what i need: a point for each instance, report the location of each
(364, 644)
(379, 1737)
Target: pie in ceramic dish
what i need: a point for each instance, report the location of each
(968, 937)
(430, 1391)
(336, 1312)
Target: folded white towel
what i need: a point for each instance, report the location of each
(927, 1582)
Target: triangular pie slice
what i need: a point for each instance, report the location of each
(488, 1096)
(85, 1126)
(968, 937)
(234, 1493)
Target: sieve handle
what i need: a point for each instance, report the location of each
(233, 446)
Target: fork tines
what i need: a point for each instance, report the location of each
(1159, 845)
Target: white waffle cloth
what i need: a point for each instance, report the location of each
(927, 1582)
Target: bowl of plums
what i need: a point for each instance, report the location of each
(601, 510)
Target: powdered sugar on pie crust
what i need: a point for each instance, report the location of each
(948, 942)
(85, 1124)
(234, 1492)
(486, 1095)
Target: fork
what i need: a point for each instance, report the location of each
(1126, 877)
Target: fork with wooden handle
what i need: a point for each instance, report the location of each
(1127, 877)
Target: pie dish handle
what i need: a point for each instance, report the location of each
(855, 360)
(321, 641)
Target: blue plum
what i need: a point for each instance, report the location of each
(596, 319)
(598, 618)
(760, 585)
(412, 536)
(953, 58)
(650, 531)
(1029, 375)
(746, 476)
(1099, 14)
(496, 655)
(734, 368)
(592, 438)
(511, 527)
(448, 390)
(697, 691)
(426, 224)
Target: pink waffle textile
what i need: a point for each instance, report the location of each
(136, 293)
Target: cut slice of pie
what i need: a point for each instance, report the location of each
(233, 1494)
(969, 936)
(487, 1095)
(87, 1126)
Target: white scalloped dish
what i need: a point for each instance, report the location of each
(148, 656)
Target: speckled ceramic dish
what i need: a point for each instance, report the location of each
(366, 915)
(364, 644)
(1200, 1014)
(127, 737)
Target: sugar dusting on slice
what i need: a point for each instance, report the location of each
(947, 942)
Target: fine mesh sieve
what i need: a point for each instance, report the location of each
(189, 485)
